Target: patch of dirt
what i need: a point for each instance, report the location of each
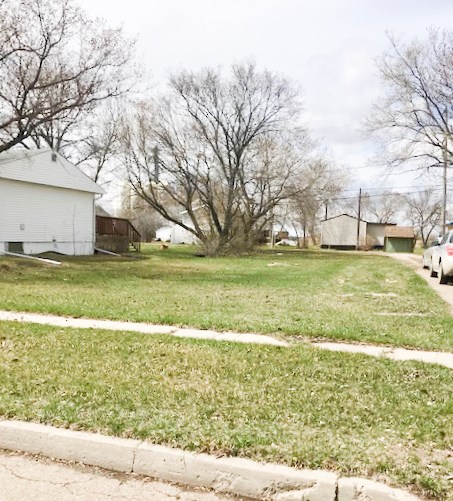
(381, 294)
(401, 314)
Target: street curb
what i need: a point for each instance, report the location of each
(238, 476)
(360, 488)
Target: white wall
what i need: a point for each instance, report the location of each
(46, 218)
(164, 233)
(375, 234)
(342, 231)
(181, 236)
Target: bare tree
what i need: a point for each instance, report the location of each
(414, 113)
(97, 149)
(424, 210)
(222, 150)
(318, 183)
(385, 207)
(144, 218)
(55, 66)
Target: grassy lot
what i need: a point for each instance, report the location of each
(299, 406)
(343, 296)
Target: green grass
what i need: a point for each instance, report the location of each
(298, 406)
(333, 295)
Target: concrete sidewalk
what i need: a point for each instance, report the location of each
(429, 357)
(144, 328)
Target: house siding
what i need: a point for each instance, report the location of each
(46, 218)
(180, 235)
(164, 233)
(375, 234)
(341, 232)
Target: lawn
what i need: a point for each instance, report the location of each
(299, 406)
(297, 294)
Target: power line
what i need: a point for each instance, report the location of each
(384, 195)
(432, 186)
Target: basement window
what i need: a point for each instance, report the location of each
(16, 247)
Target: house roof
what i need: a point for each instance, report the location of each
(381, 224)
(100, 211)
(38, 167)
(399, 232)
(340, 215)
(354, 217)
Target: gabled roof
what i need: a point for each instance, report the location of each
(363, 220)
(399, 232)
(382, 224)
(47, 168)
(100, 211)
(340, 215)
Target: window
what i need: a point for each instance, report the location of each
(16, 247)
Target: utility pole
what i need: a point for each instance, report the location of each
(444, 204)
(272, 239)
(156, 164)
(358, 220)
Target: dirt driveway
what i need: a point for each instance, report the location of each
(415, 262)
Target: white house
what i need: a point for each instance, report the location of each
(340, 232)
(164, 233)
(46, 204)
(180, 235)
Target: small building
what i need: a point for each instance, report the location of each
(46, 204)
(341, 232)
(399, 239)
(180, 235)
(163, 234)
(177, 234)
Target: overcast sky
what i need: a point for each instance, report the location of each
(329, 47)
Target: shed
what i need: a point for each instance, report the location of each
(340, 232)
(399, 239)
(163, 234)
(180, 235)
(46, 204)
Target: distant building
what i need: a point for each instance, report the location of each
(340, 232)
(163, 234)
(399, 239)
(180, 235)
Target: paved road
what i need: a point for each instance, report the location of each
(414, 261)
(26, 477)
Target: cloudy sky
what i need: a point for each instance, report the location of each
(329, 47)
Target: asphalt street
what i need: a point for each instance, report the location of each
(27, 477)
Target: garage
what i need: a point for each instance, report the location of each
(399, 239)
